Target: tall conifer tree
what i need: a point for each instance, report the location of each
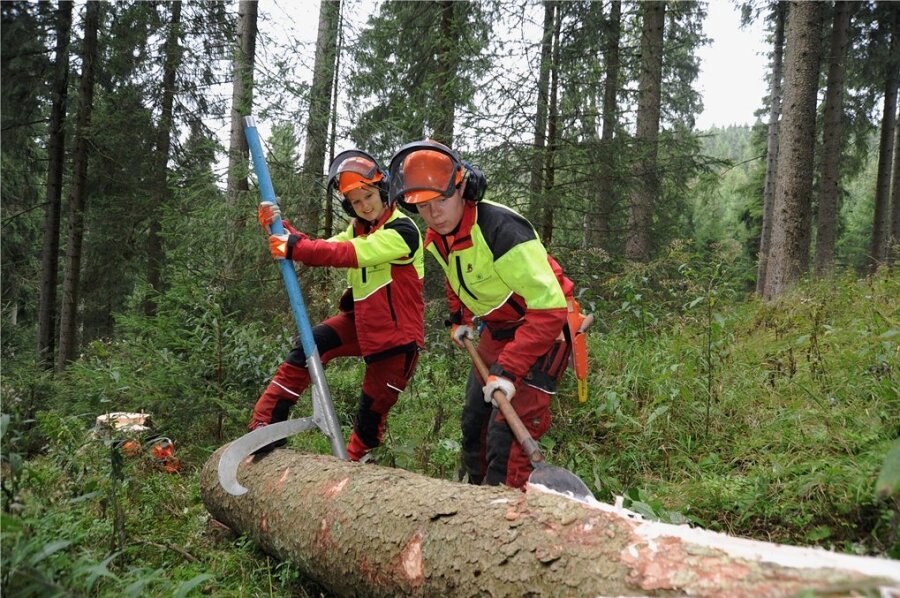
(645, 184)
(881, 224)
(56, 149)
(789, 252)
(417, 64)
(68, 340)
(832, 140)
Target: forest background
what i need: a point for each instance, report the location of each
(744, 361)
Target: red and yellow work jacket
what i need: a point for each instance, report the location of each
(385, 271)
(498, 270)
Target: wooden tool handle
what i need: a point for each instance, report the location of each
(512, 418)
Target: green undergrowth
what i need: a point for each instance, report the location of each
(84, 519)
(769, 421)
(762, 420)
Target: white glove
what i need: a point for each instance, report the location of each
(498, 383)
(460, 331)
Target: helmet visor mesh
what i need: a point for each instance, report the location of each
(353, 172)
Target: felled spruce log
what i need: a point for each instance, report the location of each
(364, 530)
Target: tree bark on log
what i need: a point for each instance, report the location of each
(373, 531)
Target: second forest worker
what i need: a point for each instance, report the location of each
(381, 314)
(498, 270)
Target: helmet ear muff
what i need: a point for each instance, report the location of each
(475, 183)
(409, 207)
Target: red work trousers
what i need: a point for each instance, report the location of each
(491, 454)
(387, 375)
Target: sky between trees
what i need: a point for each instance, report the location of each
(733, 66)
(732, 69)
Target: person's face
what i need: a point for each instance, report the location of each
(366, 202)
(444, 213)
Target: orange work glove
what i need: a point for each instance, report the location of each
(282, 246)
(266, 213)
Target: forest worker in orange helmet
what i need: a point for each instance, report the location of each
(498, 270)
(381, 313)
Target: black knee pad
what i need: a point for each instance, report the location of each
(325, 339)
(367, 422)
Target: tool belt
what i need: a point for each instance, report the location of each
(547, 370)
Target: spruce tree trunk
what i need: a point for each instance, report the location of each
(540, 118)
(789, 251)
(881, 225)
(335, 92)
(765, 238)
(160, 195)
(241, 102)
(895, 199)
(605, 197)
(444, 121)
(365, 530)
(312, 186)
(645, 183)
(237, 185)
(68, 334)
(56, 150)
(550, 203)
(832, 141)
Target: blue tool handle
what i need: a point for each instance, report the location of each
(267, 192)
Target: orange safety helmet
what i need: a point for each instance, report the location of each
(426, 170)
(354, 169)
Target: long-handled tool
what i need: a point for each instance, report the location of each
(551, 476)
(323, 416)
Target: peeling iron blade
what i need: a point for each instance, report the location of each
(251, 442)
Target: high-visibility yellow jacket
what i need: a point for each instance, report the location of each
(498, 270)
(385, 274)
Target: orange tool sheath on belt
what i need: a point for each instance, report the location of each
(578, 325)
